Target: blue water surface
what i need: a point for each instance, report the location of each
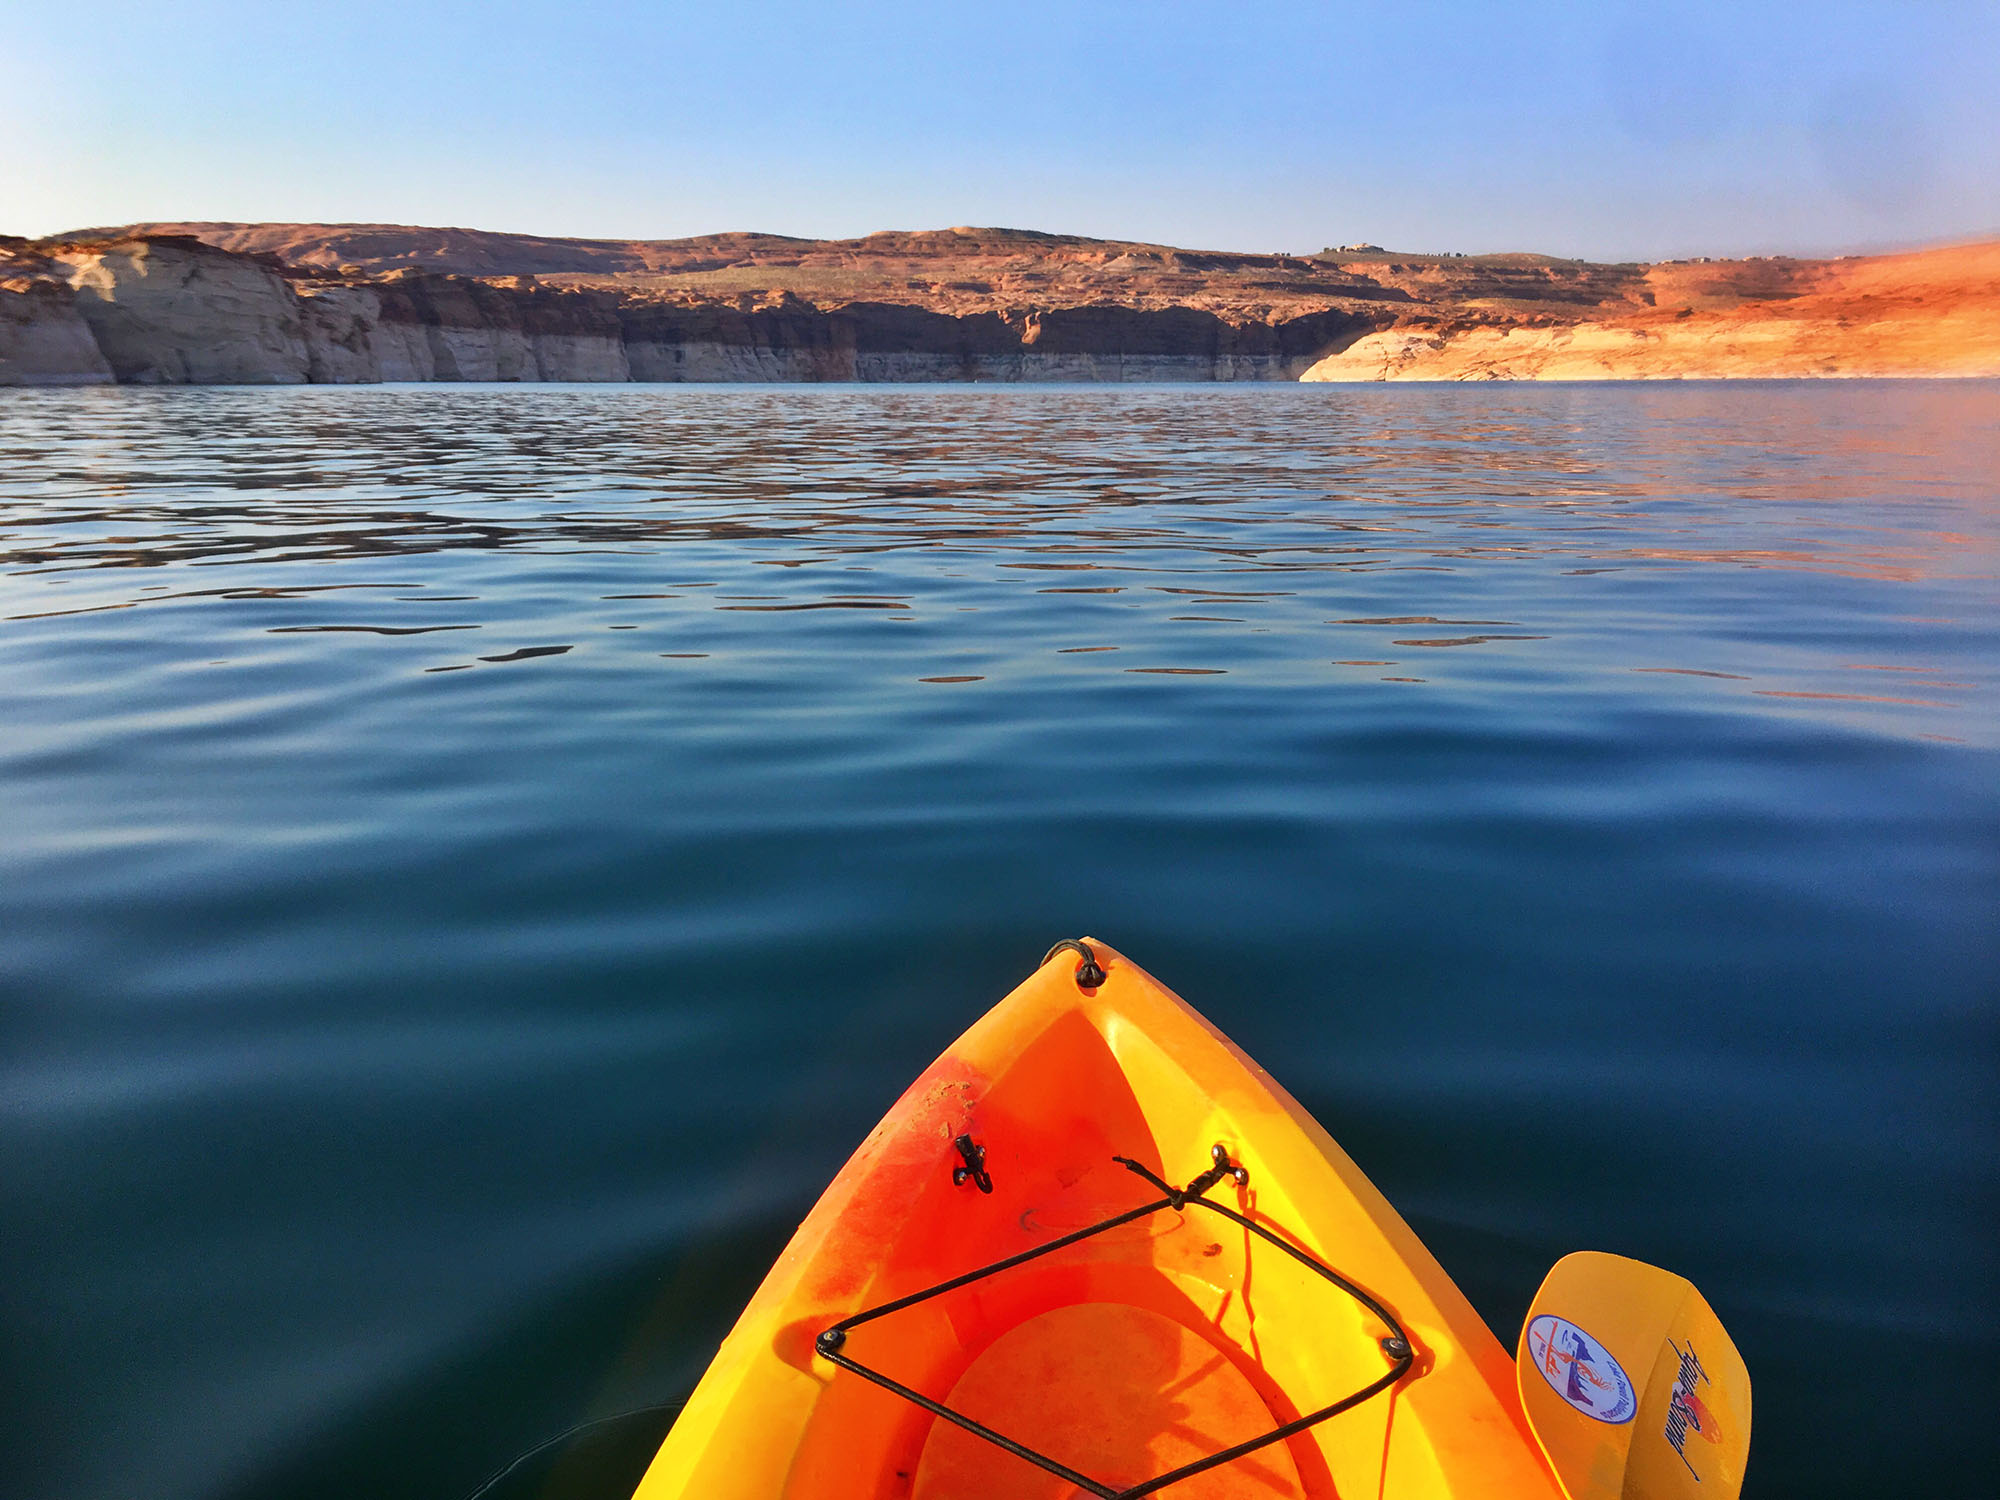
(474, 860)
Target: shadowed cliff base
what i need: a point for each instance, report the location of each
(207, 303)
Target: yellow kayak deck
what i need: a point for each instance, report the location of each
(1123, 1355)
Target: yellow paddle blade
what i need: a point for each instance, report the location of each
(1630, 1384)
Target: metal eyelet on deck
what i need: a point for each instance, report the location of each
(974, 1168)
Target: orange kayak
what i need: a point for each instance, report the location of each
(1096, 1251)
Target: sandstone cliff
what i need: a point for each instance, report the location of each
(276, 303)
(1927, 314)
(172, 309)
(416, 327)
(167, 312)
(43, 339)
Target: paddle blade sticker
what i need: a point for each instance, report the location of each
(1631, 1386)
(1579, 1370)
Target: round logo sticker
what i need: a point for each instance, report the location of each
(1580, 1370)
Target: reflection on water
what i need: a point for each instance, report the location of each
(477, 858)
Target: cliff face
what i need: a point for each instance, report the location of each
(272, 304)
(181, 313)
(43, 339)
(174, 311)
(792, 340)
(414, 327)
(169, 309)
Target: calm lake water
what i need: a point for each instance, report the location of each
(474, 861)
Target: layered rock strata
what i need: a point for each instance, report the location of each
(791, 340)
(173, 310)
(417, 327)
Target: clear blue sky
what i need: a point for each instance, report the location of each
(1614, 131)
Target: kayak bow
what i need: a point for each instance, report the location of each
(1096, 1251)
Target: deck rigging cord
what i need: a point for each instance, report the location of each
(832, 1341)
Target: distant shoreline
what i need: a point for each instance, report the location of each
(204, 304)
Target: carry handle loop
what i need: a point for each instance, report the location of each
(1089, 973)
